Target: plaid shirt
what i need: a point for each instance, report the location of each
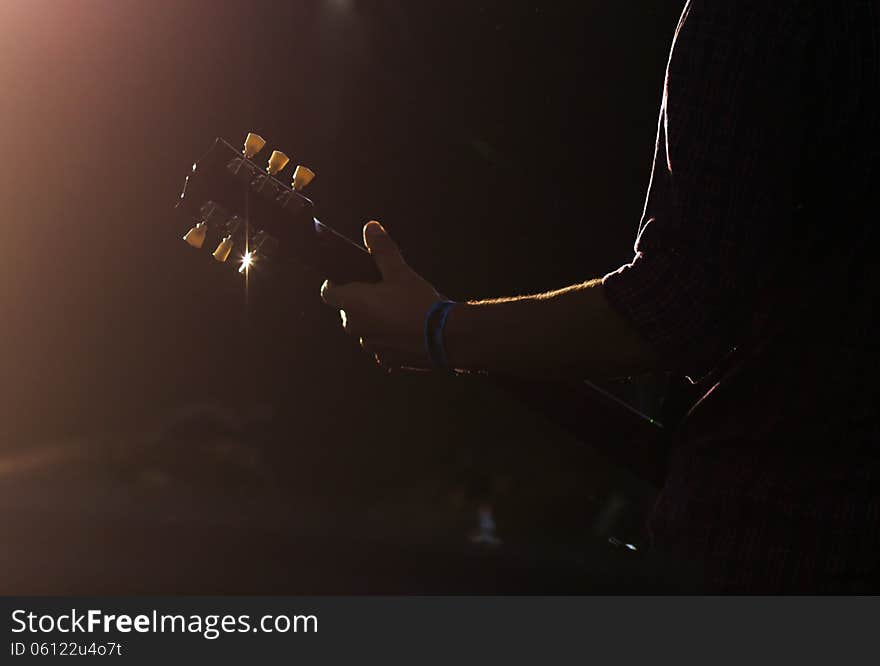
(765, 161)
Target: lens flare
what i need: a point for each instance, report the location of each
(246, 262)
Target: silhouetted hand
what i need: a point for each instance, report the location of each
(388, 317)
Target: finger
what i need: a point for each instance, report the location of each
(389, 356)
(380, 352)
(370, 344)
(374, 344)
(350, 325)
(382, 364)
(391, 363)
(340, 296)
(328, 293)
(384, 250)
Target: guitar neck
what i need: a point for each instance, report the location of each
(342, 260)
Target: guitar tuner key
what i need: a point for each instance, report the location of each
(223, 250)
(253, 144)
(196, 235)
(302, 176)
(277, 161)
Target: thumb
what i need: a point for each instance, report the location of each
(384, 250)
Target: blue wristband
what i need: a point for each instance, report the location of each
(435, 325)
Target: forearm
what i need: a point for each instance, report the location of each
(570, 332)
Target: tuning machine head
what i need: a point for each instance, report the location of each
(253, 144)
(302, 176)
(197, 234)
(277, 161)
(224, 249)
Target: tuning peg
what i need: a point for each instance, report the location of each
(223, 250)
(253, 144)
(302, 176)
(196, 235)
(277, 161)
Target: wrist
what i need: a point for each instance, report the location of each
(458, 338)
(435, 333)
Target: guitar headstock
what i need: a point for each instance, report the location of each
(251, 218)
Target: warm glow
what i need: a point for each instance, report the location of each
(246, 262)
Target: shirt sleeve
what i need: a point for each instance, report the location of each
(722, 192)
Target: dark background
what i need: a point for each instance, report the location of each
(506, 146)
